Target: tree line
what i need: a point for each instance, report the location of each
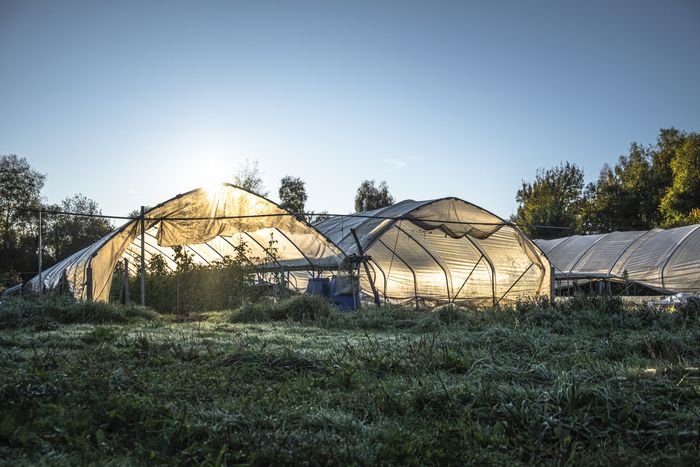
(657, 185)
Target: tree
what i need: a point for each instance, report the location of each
(649, 187)
(66, 234)
(20, 187)
(624, 197)
(249, 177)
(370, 197)
(293, 195)
(681, 203)
(554, 198)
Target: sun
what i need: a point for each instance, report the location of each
(207, 179)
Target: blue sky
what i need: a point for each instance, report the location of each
(131, 103)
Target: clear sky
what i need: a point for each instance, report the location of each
(132, 103)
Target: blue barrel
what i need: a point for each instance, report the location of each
(345, 301)
(320, 286)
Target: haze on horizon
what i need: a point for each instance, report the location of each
(131, 103)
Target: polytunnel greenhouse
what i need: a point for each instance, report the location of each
(210, 225)
(443, 250)
(667, 261)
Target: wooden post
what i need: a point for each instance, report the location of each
(89, 283)
(369, 276)
(143, 257)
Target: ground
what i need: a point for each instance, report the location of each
(530, 385)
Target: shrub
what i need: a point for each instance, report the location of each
(50, 311)
(450, 313)
(298, 308)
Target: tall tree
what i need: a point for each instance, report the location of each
(249, 177)
(681, 203)
(624, 196)
(293, 196)
(20, 187)
(370, 196)
(67, 234)
(553, 199)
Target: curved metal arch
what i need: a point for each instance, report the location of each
(673, 252)
(582, 254)
(448, 277)
(492, 268)
(614, 263)
(468, 277)
(415, 281)
(297, 248)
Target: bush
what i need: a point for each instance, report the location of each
(251, 313)
(302, 308)
(450, 313)
(298, 308)
(50, 311)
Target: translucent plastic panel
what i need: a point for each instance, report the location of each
(548, 245)
(602, 256)
(682, 271)
(468, 269)
(565, 255)
(400, 283)
(646, 262)
(512, 265)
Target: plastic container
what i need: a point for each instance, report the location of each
(345, 301)
(320, 286)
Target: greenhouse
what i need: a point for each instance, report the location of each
(209, 225)
(444, 250)
(667, 261)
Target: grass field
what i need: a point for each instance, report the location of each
(298, 383)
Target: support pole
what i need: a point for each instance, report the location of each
(369, 276)
(143, 257)
(126, 281)
(41, 257)
(89, 283)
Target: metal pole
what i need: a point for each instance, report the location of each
(89, 283)
(41, 256)
(143, 257)
(364, 262)
(126, 281)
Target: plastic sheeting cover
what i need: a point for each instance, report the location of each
(224, 217)
(664, 260)
(443, 250)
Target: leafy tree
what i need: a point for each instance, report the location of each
(681, 203)
(650, 187)
(67, 234)
(20, 187)
(293, 195)
(249, 177)
(157, 266)
(183, 258)
(554, 198)
(624, 197)
(370, 197)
